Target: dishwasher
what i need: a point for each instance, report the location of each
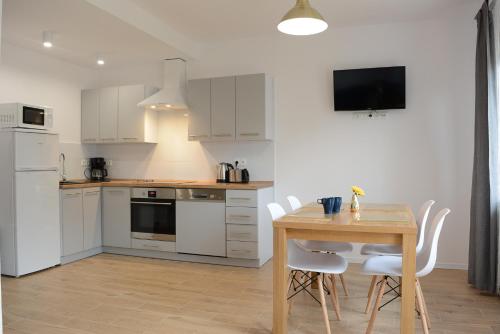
(201, 221)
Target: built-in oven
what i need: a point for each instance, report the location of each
(153, 213)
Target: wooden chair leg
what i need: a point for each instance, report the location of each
(427, 314)
(319, 279)
(344, 285)
(423, 316)
(380, 294)
(333, 297)
(371, 292)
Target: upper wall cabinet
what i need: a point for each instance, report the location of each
(108, 114)
(254, 105)
(199, 109)
(90, 116)
(111, 115)
(223, 108)
(231, 108)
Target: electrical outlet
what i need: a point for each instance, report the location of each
(85, 162)
(242, 162)
(369, 115)
(109, 162)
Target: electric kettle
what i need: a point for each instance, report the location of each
(223, 170)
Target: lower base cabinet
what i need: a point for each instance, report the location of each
(80, 220)
(116, 229)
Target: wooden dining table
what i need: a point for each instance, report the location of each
(373, 223)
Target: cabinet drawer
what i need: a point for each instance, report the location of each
(245, 198)
(163, 246)
(242, 232)
(241, 215)
(242, 250)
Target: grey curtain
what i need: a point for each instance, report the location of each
(483, 244)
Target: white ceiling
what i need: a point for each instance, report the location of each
(82, 31)
(216, 20)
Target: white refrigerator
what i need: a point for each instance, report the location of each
(30, 238)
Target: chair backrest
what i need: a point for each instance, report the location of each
(423, 214)
(426, 259)
(276, 210)
(294, 202)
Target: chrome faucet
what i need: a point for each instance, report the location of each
(62, 158)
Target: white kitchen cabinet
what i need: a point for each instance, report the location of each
(92, 230)
(254, 107)
(199, 110)
(80, 221)
(249, 232)
(108, 115)
(223, 108)
(111, 115)
(136, 124)
(90, 116)
(72, 221)
(237, 108)
(116, 229)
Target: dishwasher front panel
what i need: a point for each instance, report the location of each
(201, 227)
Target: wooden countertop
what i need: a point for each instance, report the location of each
(167, 184)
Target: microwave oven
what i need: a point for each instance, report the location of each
(19, 115)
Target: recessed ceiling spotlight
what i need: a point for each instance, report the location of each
(186, 115)
(100, 61)
(47, 39)
(168, 105)
(153, 107)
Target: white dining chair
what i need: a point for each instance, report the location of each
(322, 246)
(384, 249)
(391, 266)
(301, 261)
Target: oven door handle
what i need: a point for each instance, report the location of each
(150, 203)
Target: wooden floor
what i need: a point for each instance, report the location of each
(118, 294)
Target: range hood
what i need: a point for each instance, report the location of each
(173, 94)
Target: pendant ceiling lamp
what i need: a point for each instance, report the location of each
(302, 20)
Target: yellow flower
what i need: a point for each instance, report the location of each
(358, 191)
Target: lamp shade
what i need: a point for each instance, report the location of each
(302, 20)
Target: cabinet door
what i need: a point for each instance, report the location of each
(116, 217)
(92, 218)
(223, 93)
(108, 114)
(90, 116)
(72, 221)
(130, 117)
(251, 107)
(199, 109)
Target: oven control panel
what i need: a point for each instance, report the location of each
(159, 193)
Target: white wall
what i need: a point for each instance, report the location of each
(413, 155)
(39, 79)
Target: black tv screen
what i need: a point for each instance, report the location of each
(370, 88)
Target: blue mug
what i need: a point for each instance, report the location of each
(337, 204)
(328, 203)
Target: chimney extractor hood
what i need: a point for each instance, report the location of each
(173, 94)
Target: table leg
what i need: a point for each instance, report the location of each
(280, 271)
(408, 284)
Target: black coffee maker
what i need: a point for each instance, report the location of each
(97, 172)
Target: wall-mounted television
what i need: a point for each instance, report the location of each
(378, 88)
